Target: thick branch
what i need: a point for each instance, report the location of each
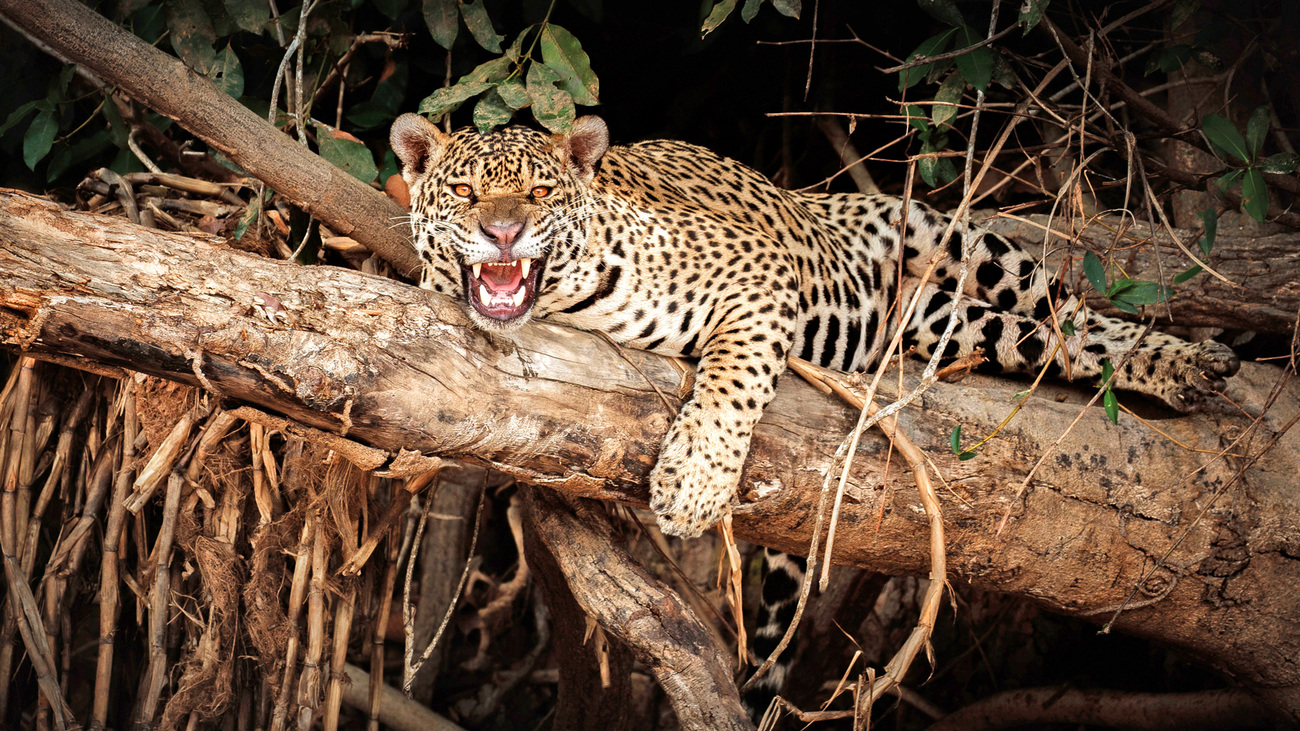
(169, 87)
(397, 367)
(1263, 293)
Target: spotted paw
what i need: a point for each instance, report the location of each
(692, 485)
(1187, 376)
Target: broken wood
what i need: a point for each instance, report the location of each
(1201, 523)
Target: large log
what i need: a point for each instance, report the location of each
(398, 368)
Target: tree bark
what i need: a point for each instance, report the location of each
(1262, 294)
(399, 368)
(166, 85)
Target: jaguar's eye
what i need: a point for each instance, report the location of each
(462, 190)
(541, 191)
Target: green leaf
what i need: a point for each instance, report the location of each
(489, 71)
(227, 73)
(1229, 179)
(928, 167)
(719, 13)
(1254, 194)
(944, 11)
(553, 107)
(449, 98)
(750, 9)
(1187, 274)
(1283, 163)
(1119, 287)
(192, 35)
(949, 94)
(39, 138)
(349, 155)
(1107, 370)
(954, 439)
(916, 116)
(1211, 220)
(1256, 129)
(1224, 136)
(966, 455)
(249, 15)
(491, 112)
(514, 93)
(788, 8)
(1123, 306)
(480, 26)
(443, 20)
(1169, 59)
(17, 115)
(564, 55)
(1112, 406)
(1095, 271)
(932, 46)
(1031, 12)
(946, 169)
(1067, 327)
(977, 65)
(1143, 293)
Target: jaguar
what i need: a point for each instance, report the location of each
(669, 247)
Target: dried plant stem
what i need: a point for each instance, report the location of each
(297, 593)
(109, 604)
(155, 675)
(379, 632)
(309, 683)
(17, 396)
(343, 613)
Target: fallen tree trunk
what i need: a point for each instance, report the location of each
(398, 368)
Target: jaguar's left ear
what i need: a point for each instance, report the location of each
(586, 144)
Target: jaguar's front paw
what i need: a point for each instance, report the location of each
(692, 485)
(1194, 373)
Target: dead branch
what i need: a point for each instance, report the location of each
(399, 368)
(166, 85)
(612, 588)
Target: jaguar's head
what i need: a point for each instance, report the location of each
(498, 207)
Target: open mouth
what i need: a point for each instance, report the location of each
(503, 290)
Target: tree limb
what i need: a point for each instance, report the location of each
(399, 368)
(169, 87)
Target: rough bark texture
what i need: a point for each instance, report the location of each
(614, 590)
(171, 88)
(1263, 293)
(397, 367)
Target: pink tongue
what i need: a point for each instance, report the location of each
(502, 279)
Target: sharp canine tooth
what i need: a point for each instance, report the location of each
(484, 295)
(519, 296)
(477, 268)
(525, 264)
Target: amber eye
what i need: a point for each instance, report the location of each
(462, 190)
(541, 191)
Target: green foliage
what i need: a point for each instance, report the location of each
(551, 86)
(954, 440)
(1108, 399)
(1124, 293)
(1244, 151)
(722, 9)
(346, 153)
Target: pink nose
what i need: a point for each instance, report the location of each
(504, 234)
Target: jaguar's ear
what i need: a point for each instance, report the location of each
(586, 144)
(418, 143)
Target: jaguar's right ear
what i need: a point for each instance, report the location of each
(418, 143)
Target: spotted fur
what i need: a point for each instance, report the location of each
(668, 247)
